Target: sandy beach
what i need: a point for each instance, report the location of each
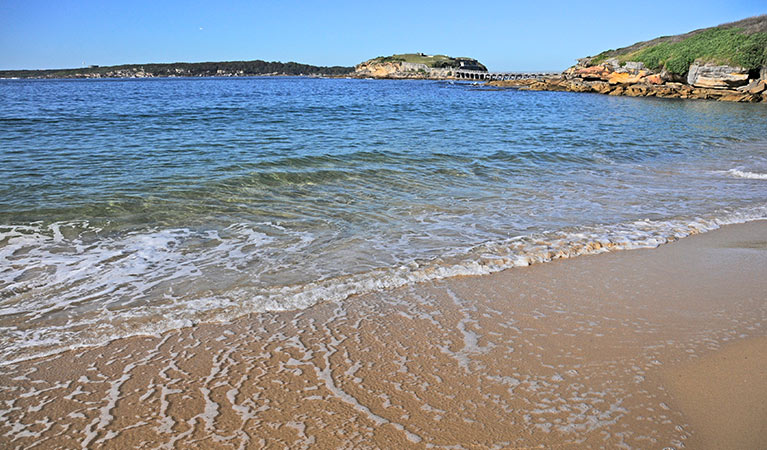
(652, 348)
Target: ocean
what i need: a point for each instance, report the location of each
(137, 206)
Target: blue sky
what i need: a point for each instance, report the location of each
(504, 35)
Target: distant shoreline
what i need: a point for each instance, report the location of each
(171, 77)
(180, 69)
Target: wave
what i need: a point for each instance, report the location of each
(88, 290)
(750, 175)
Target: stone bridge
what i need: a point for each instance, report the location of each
(462, 74)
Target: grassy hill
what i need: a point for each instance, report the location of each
(742, 43)
(433, 61)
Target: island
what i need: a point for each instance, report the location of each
(416, 66)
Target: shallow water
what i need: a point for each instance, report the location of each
(134, 206)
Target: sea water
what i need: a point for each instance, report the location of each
(137, 206)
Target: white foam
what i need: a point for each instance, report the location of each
(99, 284)
(750, 175)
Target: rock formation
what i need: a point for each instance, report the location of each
(415, 66)
(727, 63)
(719, 77)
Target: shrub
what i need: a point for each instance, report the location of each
(717, 45)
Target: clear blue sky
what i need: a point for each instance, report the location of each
(504, 35)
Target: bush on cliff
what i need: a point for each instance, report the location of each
(719, 46)
(742, 44)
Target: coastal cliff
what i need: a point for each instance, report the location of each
(415, 66)
(727, 62)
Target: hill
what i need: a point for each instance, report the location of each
(203, 69)
(416, 65)
(740, 44)
(727, 62)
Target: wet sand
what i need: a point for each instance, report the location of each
(656, 348)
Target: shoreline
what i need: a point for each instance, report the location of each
(570, 353)
(482, 259)
(669, 90)
(555, 84)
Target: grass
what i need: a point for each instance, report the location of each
(717, 45)
(415, 58)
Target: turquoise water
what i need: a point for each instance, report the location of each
(134, 206)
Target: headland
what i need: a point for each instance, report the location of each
(416, 66)
(727, 63)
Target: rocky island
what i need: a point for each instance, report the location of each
(727, 62)
(416, 66)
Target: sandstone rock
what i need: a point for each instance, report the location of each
(625, 77)
(739, 97)
(601, 87)
(636, 90)
(716, 77)
(401, 69)
(699, 93)
(542, 86)
(579, 86)
(760, 87)
(732, 97)
(599, 72)
(617, 91)
(653, 79)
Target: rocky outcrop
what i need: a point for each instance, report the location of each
(716, 77)
(401, 70)
(727, 62)
(703, 81)
(754, 92)
(415, 66)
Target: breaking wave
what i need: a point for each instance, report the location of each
(749, 175)
(63, 286)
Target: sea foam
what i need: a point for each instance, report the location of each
(750, 175)
(171, 271)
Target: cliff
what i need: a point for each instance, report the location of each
(415, 66)
(727, 62)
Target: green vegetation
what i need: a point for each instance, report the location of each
(742, 44)
(204, 69)
(716, 45)
(600, 58)
(433, 61)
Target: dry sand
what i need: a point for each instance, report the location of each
(658, 348)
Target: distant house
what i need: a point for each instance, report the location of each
(93, 66)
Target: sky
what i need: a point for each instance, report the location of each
(504, 35)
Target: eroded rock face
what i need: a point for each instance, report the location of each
(716, 77)
(399, 70)
(404, 70)
(613, 72)
(633, 78)
(755, 92)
